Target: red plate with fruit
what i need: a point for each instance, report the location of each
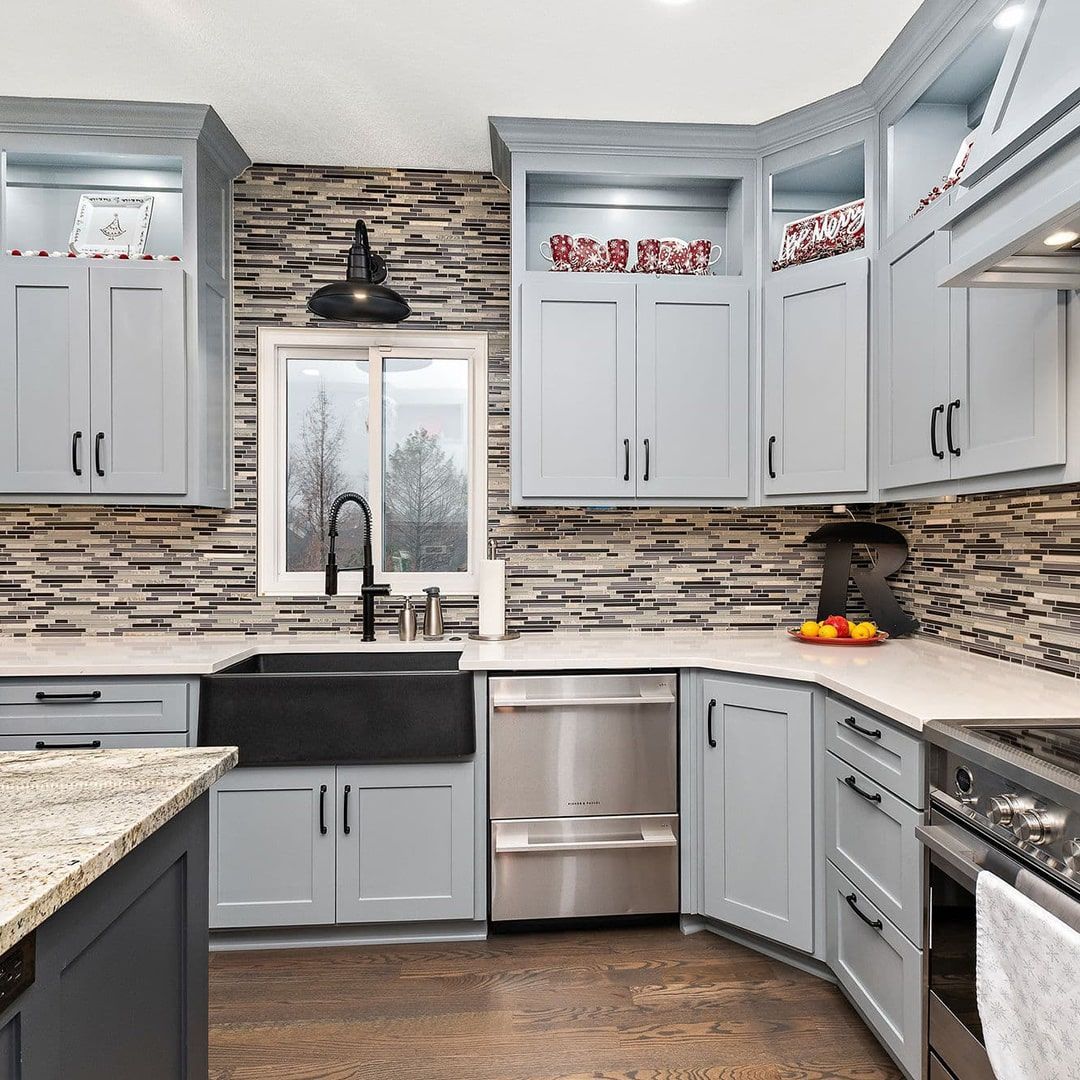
(837, 630)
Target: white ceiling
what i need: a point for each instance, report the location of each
(411, 82)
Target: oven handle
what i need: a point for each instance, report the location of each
(560, 702)
(652, 835)
(963, 857)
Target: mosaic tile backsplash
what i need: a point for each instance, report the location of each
(85, 570)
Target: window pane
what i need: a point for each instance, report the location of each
(327, 437)
(425, 465)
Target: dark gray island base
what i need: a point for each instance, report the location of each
(120, 972)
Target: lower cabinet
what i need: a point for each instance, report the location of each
(757, 801)
(314, 845)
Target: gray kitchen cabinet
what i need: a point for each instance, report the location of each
(138, 380)
(814, 379)
(44, 376)
(272, 847)
(692, 389)
(758, 810)
(406, 843)
(578, 388)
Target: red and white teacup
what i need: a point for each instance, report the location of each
(673, 255)
(618, 254)
(558, 251)
(702, 256)
(648, 255)
(588, 255)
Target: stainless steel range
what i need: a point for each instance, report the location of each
(1004, 798)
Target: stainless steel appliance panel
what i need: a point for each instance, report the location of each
(583, 745)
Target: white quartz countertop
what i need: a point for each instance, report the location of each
(911, 681)
(67, 817)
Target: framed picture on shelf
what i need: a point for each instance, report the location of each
(818, 236)
(111, 224)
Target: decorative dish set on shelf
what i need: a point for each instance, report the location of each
(667, 255)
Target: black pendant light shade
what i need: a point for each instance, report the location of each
(361, 297)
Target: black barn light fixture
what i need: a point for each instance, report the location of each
(361, 297)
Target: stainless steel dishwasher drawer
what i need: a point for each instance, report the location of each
(583, 745)
(573, 867)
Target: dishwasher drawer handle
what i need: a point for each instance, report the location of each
(84, 695)
(853, 903)
(854, 725)
(94, 744)
(559, 702)
(663, 837)
(852, 783)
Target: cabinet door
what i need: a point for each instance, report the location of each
(1007, 402)
(814, 379)
(693, 363)
(272, 847)
(44, 376)
(577, 388)
(758, 810)
(138, 392)
(914, 350)
(408, 852)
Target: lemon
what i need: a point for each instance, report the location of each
(828, 632)
(867, 629)
(809, 628)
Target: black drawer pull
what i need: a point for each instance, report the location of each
(853, 724)
(772, 447)
(99, 438)
(853, 903)
(83, 695)
(322, 809)
(76, 468)
(626, 450)
(712, 706)
(345, 814)
(42, 745)
(850, 781)
(953, 448)
(934, 414)
(646, 476)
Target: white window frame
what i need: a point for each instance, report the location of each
(278, 345)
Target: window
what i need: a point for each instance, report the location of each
(398, 416)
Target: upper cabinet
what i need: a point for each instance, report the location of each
(119, 370)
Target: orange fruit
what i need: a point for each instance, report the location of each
(828, 631)
(809, 628)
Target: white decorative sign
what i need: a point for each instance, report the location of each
(111, 224)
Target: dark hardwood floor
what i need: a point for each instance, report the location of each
(642, 1004)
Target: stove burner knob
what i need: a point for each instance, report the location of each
(1033, 827)
(1003, 809)
(1072, 856)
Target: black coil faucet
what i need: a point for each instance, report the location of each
(368, 589)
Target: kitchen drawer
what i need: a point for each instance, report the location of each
(82, 741)
(878, 967)
(870, 836)
(64, 706)
(892, 757)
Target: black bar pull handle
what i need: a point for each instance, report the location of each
(935, 412)
(322, 809)
(953, 448)
(99, 438)
(626, 468)
(854, 725)
(712, 707)
(94, 744)
(80, 695)
(772, 447)
(646, 476)
(854, 785)
(853, 903)
(345, 812)
(76, 468)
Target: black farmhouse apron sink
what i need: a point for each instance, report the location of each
(340, 708)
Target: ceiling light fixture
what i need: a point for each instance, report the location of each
(1009, 16)
(1060, 239)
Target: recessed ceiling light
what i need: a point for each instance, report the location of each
(1009, 16)
(1060, 239)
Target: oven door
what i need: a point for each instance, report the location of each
(956, 858)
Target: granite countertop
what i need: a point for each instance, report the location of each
(67, 817)
(911, 681)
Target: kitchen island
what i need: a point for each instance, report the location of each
(103, 912)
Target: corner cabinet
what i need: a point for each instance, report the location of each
(634, 391)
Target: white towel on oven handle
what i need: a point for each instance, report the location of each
(1028, 983)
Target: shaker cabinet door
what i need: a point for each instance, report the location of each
(693, 364)
(814, 379)
(44, 377)
(138, 361)
(578, 348)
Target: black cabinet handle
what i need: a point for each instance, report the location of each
(626, 468)
(322, 809)
(953, 448)
(81, 695)
(853, 903)
(853, 784)
(76, 468)
(712, 706)
(93, 745)
(345, 813)
(853, 724)
(772, 444)
(646, 476)
(934, 414)
(99, 438)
